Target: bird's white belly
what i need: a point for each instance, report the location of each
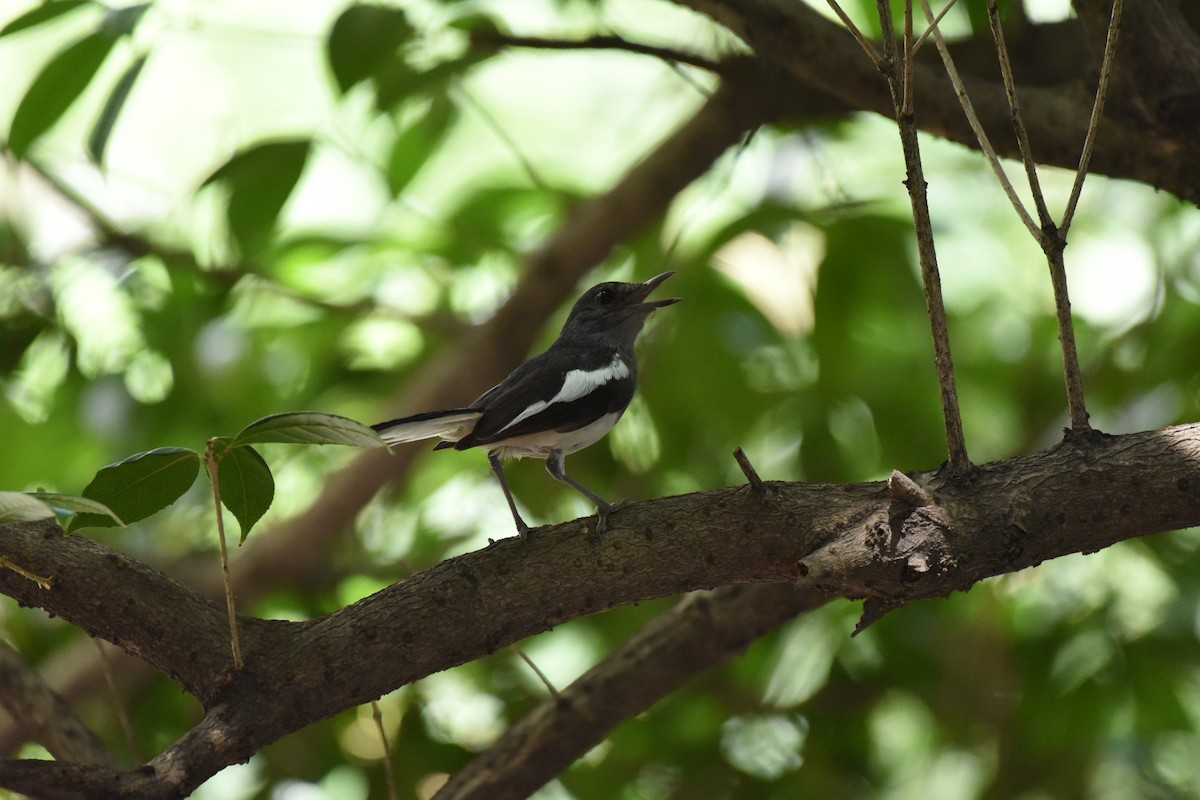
(539, 445)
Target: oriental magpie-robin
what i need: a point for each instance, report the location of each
(557, 403)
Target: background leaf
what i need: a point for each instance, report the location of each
(22, 507)
(260, 180)
(247, 487)
(414, 147)
(140, 485)
(363, 38)
(308, 427)
(56, 88)
(41, 14)
(112, 109)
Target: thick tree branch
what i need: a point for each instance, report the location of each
(296, 550)
(821, 54)
(856, 540)
(45, 717)
(703, 630)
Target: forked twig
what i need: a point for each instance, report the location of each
(985, 144)
(1010, 91)
(930, 277)
(862, 40)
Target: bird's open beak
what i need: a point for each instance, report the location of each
(649, 286)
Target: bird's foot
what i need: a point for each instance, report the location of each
(602, 512)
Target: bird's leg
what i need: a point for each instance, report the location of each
(498, 468)
(556, 466)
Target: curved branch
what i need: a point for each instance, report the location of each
(856, 540)
(703, 630)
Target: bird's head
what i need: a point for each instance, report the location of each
(615, 309)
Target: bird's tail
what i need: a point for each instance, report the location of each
(449, 426)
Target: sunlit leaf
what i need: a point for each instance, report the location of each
(75, 504)
(308, 427)
(416, 144)
(362, 40)
(21, 507)
(140, 485)
(247, 487)
(41, 14)
(54, 90)
(98, 139)
(260, 180)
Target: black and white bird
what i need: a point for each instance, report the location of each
(557, 403)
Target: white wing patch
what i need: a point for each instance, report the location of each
(576, 384)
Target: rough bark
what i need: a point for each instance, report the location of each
(855, 540)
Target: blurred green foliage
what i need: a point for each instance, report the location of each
(223, 211)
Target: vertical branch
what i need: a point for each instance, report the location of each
(210, 464)
(930, 277)
(1053, 244)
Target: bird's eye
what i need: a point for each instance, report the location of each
(606, 296)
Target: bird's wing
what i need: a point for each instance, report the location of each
(449, 425)
(560, 390)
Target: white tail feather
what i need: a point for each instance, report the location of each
(450, 426)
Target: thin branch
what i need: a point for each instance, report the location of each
(743, 461)
(930, 278)
(211, 465)
(118, 706)
(388, 773)
(862, 40)
(928, 30)
(981, 136)
(536, 671)
(1010, 90)
(1089, 142)
(671, 56)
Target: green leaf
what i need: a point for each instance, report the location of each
(21, 507)
(55, 89)
(415, 145)
(397, 80)
(140, 485)
(41, 14)
(308, 427)
(123, 21)
(247, 487)
(260, 180)
(98, 139)
(363, 38)
(75, 504)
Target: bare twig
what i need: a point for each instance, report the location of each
(1089, 142)
(210, 464)
(924, 36)
(388, 773)
(497, 39)
(541, 675)
(756, 483)
(981, 136)
(119, 707)
(930, 277)
(1010, 90)
(862, 40)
